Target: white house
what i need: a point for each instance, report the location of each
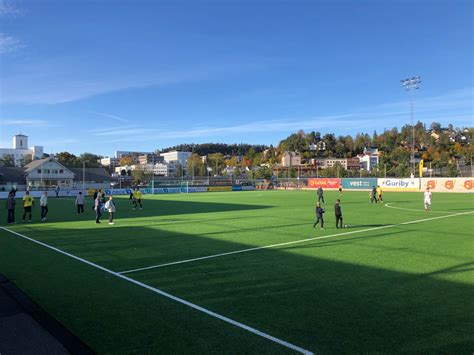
(20, 150)
(369, 159)
(48, 173)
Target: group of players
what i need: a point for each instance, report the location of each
(375, 195)
(101, 204)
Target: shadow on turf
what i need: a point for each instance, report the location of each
(323, 305)
(64, 210)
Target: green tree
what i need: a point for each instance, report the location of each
(8, 160)
(263, 172)
(67, 159)
(216, 162)
(195, 166)
(91, 160)
(139, 176)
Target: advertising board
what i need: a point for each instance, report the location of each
(358, 184)
(399, 184)
(325, 183)
(448, 184)
(219, 188)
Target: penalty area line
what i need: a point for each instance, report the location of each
(287, 243)
(170, 296)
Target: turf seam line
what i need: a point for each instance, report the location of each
(285, 243)
(170, 296)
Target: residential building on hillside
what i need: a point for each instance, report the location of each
(369, 159)
(150, 159)
(346, 163)
(176, 156)
(119, 154)
(20, 150)
(290, 159)
(109, 162)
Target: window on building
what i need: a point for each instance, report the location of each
(61, 171)
(39, 171)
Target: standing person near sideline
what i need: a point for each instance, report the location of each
(80, 203)
(98, 208)
(320, 195)
(340, 189)
(138, 198)
(319, 216)
(44, 206)
(379, 194)
(338, 212)
(110, 206)
(427, 199)
(57, 190)
(373, 195)
(28, 203)
(11, 202)
(96, 192)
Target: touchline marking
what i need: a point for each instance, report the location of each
(287, 243)
(167, 295)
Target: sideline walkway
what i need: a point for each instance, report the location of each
(26, 329)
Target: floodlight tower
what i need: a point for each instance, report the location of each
(410, 85)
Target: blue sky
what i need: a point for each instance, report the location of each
(100, 76)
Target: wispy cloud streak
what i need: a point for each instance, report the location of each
(116, 118)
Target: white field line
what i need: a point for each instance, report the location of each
(288, 243)
(167, 295)
(413, 209)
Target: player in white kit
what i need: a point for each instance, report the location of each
(427, 199)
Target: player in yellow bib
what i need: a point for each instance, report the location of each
(28, 202)
(138, 198)
(379, 194)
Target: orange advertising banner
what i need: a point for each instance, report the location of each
(448, 184)
(325, 183)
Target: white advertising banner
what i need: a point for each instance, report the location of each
(399, 184)
(448, 184)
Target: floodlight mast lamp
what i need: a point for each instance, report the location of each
(410, 85)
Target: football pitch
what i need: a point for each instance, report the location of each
(245, 272)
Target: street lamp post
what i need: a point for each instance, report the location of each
(410, 85)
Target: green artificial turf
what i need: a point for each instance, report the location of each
(403, 288)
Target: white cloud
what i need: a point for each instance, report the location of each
(9, 44)
(117, 118)
(30, 123)
(8, 8)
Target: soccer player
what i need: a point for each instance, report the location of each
(110, 206)
(319, 216)
(11, 202)
(373, 195)
(138, 198)
(427, 199)
(338, 212)
(340, 189)
(80, 203)
(379, 194)
(28, 202)
(98, 209)
(320, 195)
(44, 206)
